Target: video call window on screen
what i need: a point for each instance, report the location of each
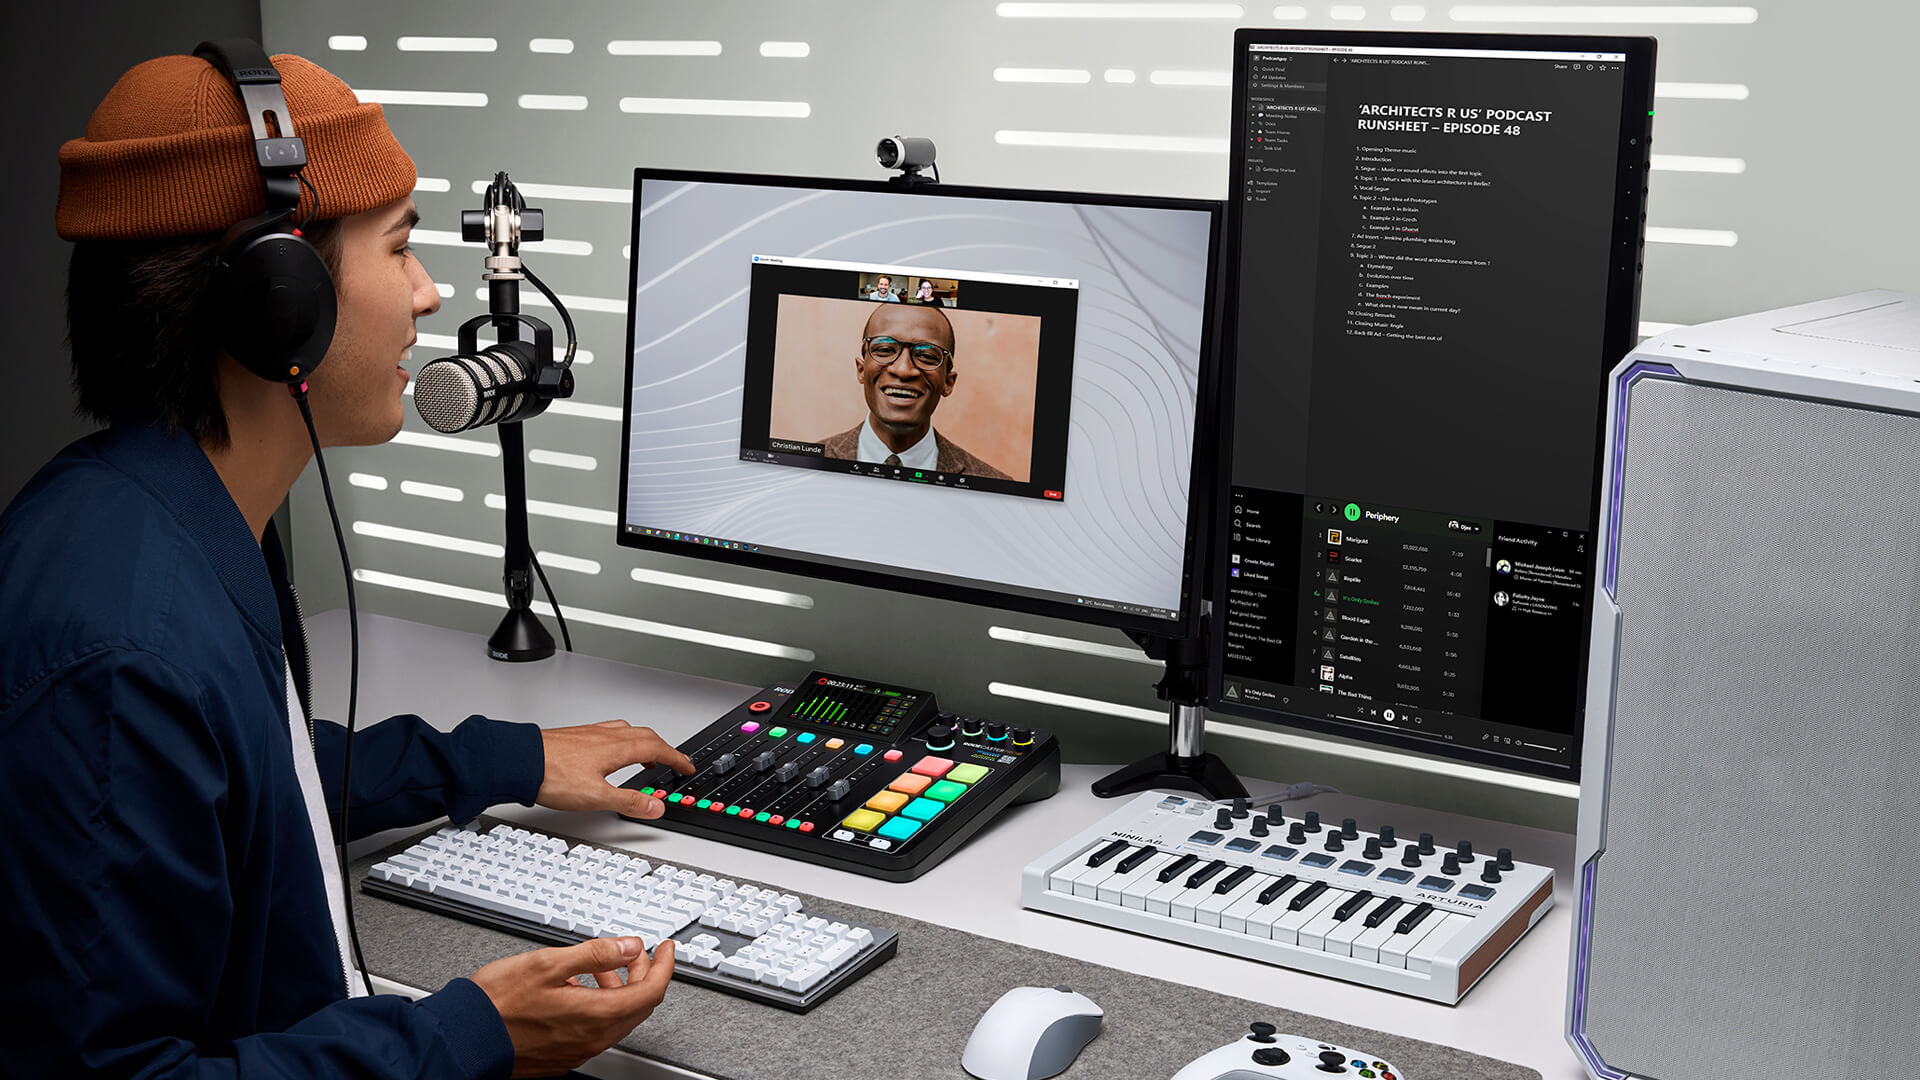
(947, 378)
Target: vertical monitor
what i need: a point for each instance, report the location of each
(976, 394)
(1435, 244)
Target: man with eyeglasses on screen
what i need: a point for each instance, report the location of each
(905, 368)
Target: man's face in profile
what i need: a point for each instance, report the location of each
(902, 393)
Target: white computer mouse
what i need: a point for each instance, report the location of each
(1030, 1033)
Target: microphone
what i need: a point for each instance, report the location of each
(466, 391)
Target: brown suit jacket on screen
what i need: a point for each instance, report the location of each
(952, 459)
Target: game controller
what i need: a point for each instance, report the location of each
(1265, 1054)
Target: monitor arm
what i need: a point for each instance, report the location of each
(1183, 766)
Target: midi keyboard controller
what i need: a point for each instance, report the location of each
(1391, 912)
(851, 774)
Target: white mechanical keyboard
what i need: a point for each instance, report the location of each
(744, 939)
(1370, 908)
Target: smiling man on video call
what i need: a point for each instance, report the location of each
(905, 368)
(173, 902)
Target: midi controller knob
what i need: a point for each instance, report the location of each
(939, 737)
(1275, 818)
(820, 775)
(1021, 736)
(1313, 821)
(996, 732)
(1297, 834)
(1465, 850)
(1334, 843)
(972, 727)
(1426, 843)
(1372, 850)
(1259, 826)
(1386, 837)
(1450, 865)
(838, 789)
(1490, 873)
(1411, 857)
(1240, 808)
(765, 760)
(725, 763)
(1349, 829)
(787, 773)
(1505, 858)
(1223, 819)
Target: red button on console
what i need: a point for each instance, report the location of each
(760, 706)
(806, 826)
(935, 767)
(717, 807)
(777, 819)
(892, 755)
(746, 811)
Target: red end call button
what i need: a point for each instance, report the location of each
(1051, 494)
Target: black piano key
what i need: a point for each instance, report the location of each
(1354, 903)
(1272, 892)
(1413, 918)
(1204, 874)
(1128, 864)
(1107, 852)
(1307, 896)
(1176, 867)
(1379, 915)
(1232, 881)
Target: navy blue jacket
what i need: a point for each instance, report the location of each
(161, 905)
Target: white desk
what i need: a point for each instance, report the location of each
(1515, 1013)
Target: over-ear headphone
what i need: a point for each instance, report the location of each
(272, 297)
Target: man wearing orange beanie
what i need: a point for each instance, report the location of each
(174, 907)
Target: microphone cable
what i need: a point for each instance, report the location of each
(299, 392)
(573, 342)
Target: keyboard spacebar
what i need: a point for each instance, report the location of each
(506, 905)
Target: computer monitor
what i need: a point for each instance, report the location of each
(975, 394)
(1435, 244)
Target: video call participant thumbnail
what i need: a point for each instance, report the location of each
(905, 368)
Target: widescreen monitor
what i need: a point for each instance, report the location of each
(983, 395)
(1434, 243)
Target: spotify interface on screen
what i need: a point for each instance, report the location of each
(1420, 384)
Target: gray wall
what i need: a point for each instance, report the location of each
(61, 59)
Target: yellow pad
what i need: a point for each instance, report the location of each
(864, 820)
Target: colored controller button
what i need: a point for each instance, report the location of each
(703, 804)
(863, 749)
(793, 823)
(759, 706)
(776, 819)
(864, 820)
(887, 801)
(899, 828)
(777, 733)
(734, 809)
(910, 783)
(946, 790)
(835, 744)
(967, 774)
(646, 791)
(805, 737)
(935, 767)
(923, 809)
(749, 727)
(718, 808)
(685, 800)
(762, 816)
(805, 826)
(743, 811)
(892, 755)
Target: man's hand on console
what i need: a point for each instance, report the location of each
(579, 760)
(557, 1023)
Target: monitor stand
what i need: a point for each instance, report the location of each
(1184, 766)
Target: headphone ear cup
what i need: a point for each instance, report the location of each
(273, 299)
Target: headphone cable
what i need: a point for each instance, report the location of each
(299, 392)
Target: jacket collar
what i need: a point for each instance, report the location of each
(171, 465)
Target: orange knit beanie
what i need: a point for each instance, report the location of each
(170, 153)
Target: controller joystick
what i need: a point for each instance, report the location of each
(1266, 1054)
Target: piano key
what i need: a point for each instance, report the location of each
(1133, 860)
(1351, 907)
(1386, 909)
(1175, 868)
(1144, 881)
(1210, 909)
(1307, 895)
(1125, 872)
(1260, 923)
(1287, 927)
(1232, 881)
(1061, 880)
(1367, 945)
(1420, 958)
(1101, 856)
(1313, 933)
(1246, 902)
(1280, 885)
(1160, 900)
(1205, 874)
(1340, 939)
(1087, 884)
(1412, 919)
(1393, 952)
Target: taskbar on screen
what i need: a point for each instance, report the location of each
(1329, 703)
(811, 456)
(1095, 603)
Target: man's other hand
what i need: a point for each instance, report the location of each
(579, 760)
(556, 1022)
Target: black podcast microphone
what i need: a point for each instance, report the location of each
(512, 379)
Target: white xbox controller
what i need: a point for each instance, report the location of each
(1265, 1054)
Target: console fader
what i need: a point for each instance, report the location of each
(852, 774)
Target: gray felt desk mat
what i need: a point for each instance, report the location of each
(911, 1016)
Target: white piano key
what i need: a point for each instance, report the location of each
(1420, 957)
(1393, 952)
(1062, 879)
(1208, 913)
(1313, 934)
(1088, 884)
(1109, 891)
(1287, 927)
(1340, 939)
(1144, 881)
(1246, 902)
(1160, 900)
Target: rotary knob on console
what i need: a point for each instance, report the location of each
(838, 789)
(1259, 826)
(1372, 850)
(1020, 736)
(972, 726)
(939, 737)
(1386, 837)
(1298, 834)
(1450, 865)
(1223, 819)
(1465, 850)
(1313, 821)
(765, 760)
(1426, 843)
(819, 776)
(1349, 829)
(996, 732)
(1334, 843)
(1240, 808)
(786, 773)
(1505, 858)
(1490, 873)
(1410, 857)
(725, 763)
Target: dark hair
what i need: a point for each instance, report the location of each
(143, 345)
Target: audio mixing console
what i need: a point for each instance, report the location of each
(852, 774)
